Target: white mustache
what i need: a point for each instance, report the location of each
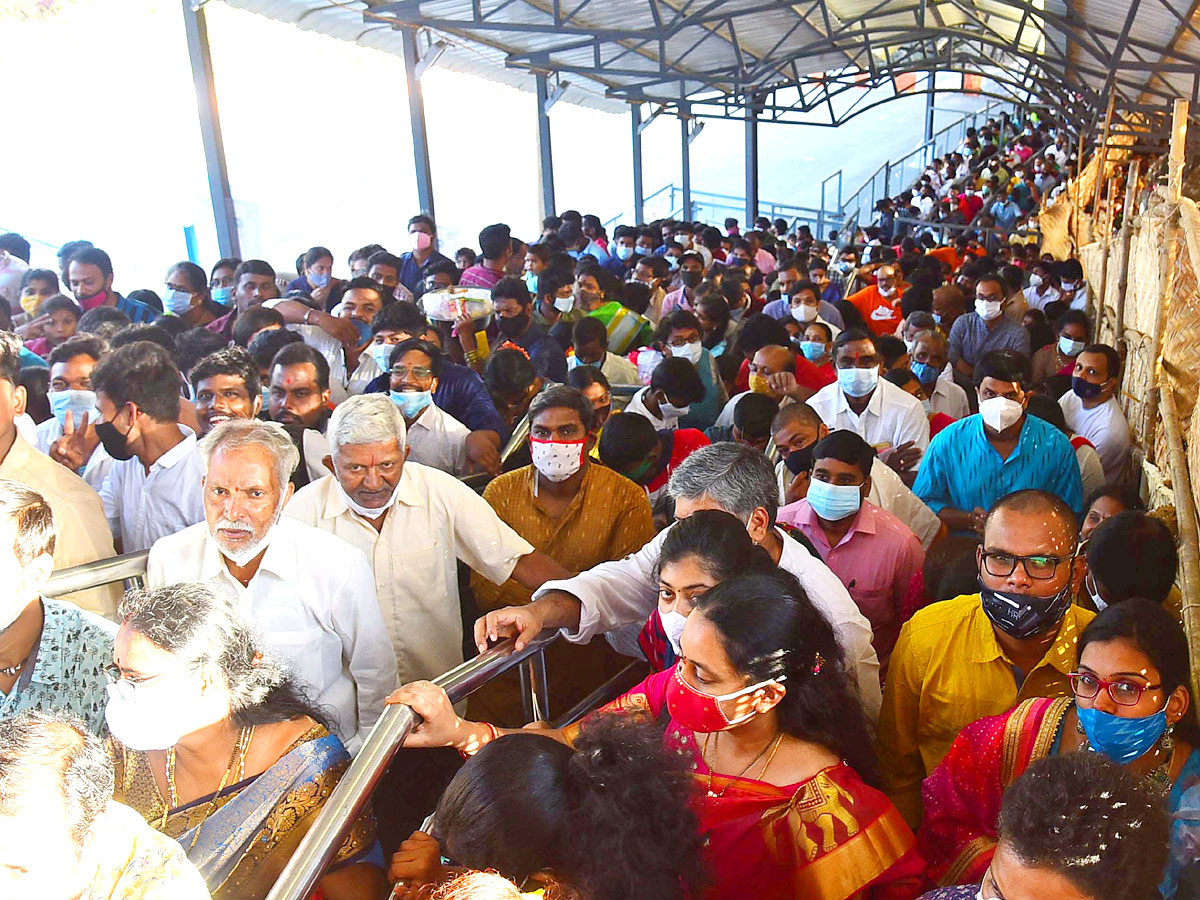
(234, 525)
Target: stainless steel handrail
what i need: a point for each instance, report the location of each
(96, 574)
(302, 872)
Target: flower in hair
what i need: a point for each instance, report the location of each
(818, 662)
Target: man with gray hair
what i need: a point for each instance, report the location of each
(63, 837)
(414, 523)
(617, 597)
(311, 594)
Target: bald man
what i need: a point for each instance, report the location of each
(772, 373)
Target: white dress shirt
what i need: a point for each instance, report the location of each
(1091, 470)
(892, 417)
(1035, 300)
(637, 406)
(435, 521)
(94, 471)
(144, 506)
(725, 419)
(438, 440)
(313, 599)
(624, 592)
(889, 493)
(1105, 427)
(949, 399)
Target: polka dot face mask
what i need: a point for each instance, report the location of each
(557, 460)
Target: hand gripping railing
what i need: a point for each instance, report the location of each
(130, 567)
(317, 848)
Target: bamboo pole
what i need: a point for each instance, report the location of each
(1106, 238)
(1127, 212)
(1189, 534)
(1077, 212)
(1166, 266)
(1103, 153)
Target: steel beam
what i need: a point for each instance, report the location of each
(416, 119)
(219, 192)
(545, 156)
(639, 190)
(685, 159)
(751, 164)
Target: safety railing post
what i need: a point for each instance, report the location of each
(535, 695)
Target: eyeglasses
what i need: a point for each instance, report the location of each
(416, 371)
(1040, 568)
(1123, 693)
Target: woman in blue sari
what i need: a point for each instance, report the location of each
(214, 744)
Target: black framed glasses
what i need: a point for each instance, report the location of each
(1039, 567)
(1122, 693)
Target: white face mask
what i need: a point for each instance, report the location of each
(241, 557)
(887, 291)
(148, 717)
(366, 511)
(804, 313)
(691, 352)
(1000, 413)
(557, 460)
(382, 354)
(1035, 280)
(670, 411)
(672, 623)
(989, 310)
(1067, 286)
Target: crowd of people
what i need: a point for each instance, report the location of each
(863, 509)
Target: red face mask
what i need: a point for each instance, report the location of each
(702, 712)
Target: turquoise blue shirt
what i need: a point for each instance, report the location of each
(65, 671)
(962, 470)
(702, 415)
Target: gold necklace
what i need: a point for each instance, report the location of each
(772, 745)
(238, 757)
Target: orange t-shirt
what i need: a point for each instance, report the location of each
(947, 255)
(882, 315)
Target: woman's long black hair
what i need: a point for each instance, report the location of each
(770, 629)
(719, 541)
(610, 817)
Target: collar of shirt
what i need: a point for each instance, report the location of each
(874, 405)
(983, 647)
(178, 452)
(807, 520)
(530, 487)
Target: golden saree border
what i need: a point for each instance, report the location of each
(1024, 744)
(844, 871)
(967, 859)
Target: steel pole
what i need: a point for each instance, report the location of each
(545, 156)
(416, 119)
(224, 215)
(686, 164)
(751, 162)
(639, 190)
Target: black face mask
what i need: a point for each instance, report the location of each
(1021, 615)
(690, 277)
(512, 326)
(114, 443)
(800, 460)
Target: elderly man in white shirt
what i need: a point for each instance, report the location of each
(930, 353)
(311, 594)
(885, 416)
(413, 524)
(617, 597)
(435, 438)
(154, 486)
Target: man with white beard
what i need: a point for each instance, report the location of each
(311, 594)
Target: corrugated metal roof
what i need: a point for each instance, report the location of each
(1066, 53)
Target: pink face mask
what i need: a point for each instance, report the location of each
(702, 712)
(96, 300)
(421, 241)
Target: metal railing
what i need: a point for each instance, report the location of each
(712, 207)
(317, 848)
(128, 568)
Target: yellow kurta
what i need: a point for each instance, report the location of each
(947, 671)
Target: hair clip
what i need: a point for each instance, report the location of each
(818, 662)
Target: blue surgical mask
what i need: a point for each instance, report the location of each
(531, 282)
(78, 402)
(624, 253)
(565, 304)
(673, 262)
(926, 374)
(858, 382)
(177, 302)
(411, 403)
(937, 320)
(1069, 347)
(382, 354)
(834, 502)
(364, 330)
(318, 281)
(812, 350)
(1121, 740)
(223, 295)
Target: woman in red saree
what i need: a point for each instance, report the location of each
(1133, 651)
(762, 708)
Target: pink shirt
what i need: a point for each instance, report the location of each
(480, 276)
(875, 560)
(675, 300)
(765, 261)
